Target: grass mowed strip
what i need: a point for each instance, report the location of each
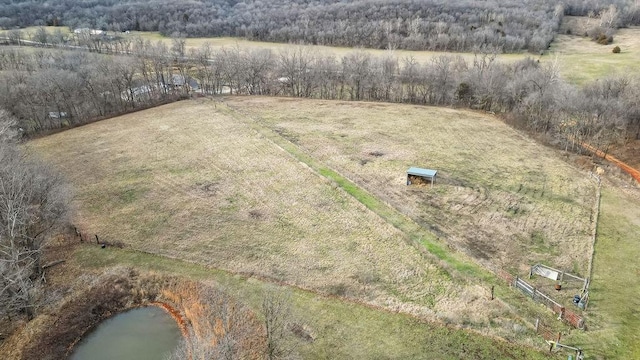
(189, 181)
(501, 198)
(340, 330)
(614, 304)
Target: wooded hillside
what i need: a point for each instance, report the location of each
(508, 25)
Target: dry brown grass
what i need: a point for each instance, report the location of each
(499, 196)
(188, 180)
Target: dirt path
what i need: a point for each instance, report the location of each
(628, 169)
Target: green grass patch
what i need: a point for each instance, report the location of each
(414, 232)
(614, 307)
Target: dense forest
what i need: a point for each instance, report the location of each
(49, 89)
(507, 25)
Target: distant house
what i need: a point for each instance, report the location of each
(178, 81)
(57, 115)
(137, 93)
(88, 31)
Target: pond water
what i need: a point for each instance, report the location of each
(147, 333)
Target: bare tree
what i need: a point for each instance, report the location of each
(295, 67)
(221, 327)
(356, 70)
(33, 200)
(276, 308)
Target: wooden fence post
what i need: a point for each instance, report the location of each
(537, 324)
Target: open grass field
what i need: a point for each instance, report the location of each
(499, 197)
(205, 182)
(582, 60)
(193, 181)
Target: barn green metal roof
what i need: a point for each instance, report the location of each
(422, 172)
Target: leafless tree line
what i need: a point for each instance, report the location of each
(33, 201)
(48, 89)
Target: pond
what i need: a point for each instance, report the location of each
(147, 333)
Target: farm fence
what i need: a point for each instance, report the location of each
(568, 315)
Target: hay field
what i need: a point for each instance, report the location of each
(189, 180)
(580, 60)
(499, 197)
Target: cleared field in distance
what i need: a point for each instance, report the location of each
(580, 59)
(191, 181)
(499, 197)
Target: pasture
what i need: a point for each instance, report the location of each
(207, 182)
(200, 181)
(580, 60)
(191, 180)
(499, 197)
(235, 186)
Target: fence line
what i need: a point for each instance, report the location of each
(594, 224)
(568, 315)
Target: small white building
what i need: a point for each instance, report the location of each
(88, 31)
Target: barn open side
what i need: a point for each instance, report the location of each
(423, 173)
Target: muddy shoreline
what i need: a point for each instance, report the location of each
(118, 290)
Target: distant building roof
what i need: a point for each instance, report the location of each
(178, 80)
(88, 31)
(422, 172)
(57, 114)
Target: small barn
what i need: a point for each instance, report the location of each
(415, 173)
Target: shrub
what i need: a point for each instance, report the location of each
(616, 50)
(602, 39)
